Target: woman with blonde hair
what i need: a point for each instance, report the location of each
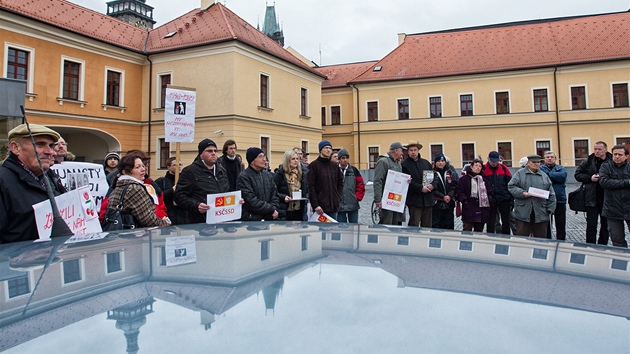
(289, 178)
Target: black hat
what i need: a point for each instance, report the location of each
(252, 153)
(204, 145)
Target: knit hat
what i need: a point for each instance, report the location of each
(111, 154)
(343, 153)
(252, 154)
(21, 131)
(204, 145)
(439, 157)
(323, 144)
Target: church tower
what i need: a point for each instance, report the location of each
(134, 12)
(271, 27)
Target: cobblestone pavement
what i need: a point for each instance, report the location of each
(576, 223)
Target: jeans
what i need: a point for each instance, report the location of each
(560, 220)
(348, 216)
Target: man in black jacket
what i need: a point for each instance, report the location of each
(204, 176)
(258, 188)
(588, 174)
(615, 179)
(231, 161)
(325, 182)
(420, 195)
(22, 181)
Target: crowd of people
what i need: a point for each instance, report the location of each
(486, 196)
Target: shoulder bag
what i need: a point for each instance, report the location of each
(115, 219)
(577, 199)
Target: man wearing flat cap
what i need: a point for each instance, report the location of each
(22, 181)
(204, 176)
(420, 195)
(385, 163)
(531, 208)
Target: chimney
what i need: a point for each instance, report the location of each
(206, 4)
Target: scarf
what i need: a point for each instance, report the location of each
(294, 184)
(478, 190)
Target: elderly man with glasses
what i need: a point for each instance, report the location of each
(534, 199)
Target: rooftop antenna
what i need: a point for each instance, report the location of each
(320, 54)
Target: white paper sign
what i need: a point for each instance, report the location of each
(180, 250)
(297, 194)
(321, 218)
(179, 115)
(538, 193)
(76, 208)
(96, 178)
(395, 191)
(223, 207)
(86, 237)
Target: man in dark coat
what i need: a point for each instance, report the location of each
(588, 174)
(22, 181)
(258, 188)
(558, 176)
(615, 179)
(420, 195)
(325, 182)
(204, 176)
(231, 161)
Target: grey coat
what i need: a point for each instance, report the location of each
(520, 182)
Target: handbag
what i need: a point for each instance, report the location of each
(115, 219)
(577, 199)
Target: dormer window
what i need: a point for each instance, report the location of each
(377, 68)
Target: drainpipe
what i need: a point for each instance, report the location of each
(358, 128)
(150, 102)
(555, 91)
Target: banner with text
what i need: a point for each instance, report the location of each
(224, 207)
(73, 176)
(395, 192)
(76, 208)
(179, 115)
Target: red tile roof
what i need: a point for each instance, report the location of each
(339, 75)
(525, 45)
(196, 28)
(78, 19)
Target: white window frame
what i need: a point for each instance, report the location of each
(122, 262)
(269, 105)
(585, 97)
(330, 107)
(81, 271)
(461, 143)
(378, 110)
(306, 104)
(268, 153)
(81, 92)
(494, 96)
(396, 107)
(459, 104)
(612, 98)
(308, 145)
(548, 99)
(573, 139)
(31, 284)
(429, 97)
(158, 87)
(31, 64)
(367, 152)
(121, 99)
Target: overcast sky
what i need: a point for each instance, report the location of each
(349, 31)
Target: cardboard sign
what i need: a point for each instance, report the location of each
(179, 115)
(76, 208)
(395, 191)
(223, 207)
(73, 174)
(180, 250)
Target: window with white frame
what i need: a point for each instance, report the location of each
(303, 102)
(72, 79)
(19, 62)
(114, 87)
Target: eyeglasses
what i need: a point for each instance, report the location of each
(60, 144)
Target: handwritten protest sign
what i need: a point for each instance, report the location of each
(76, 208)
(395, 191)
(180, 250)
(179, 115)
(223, 207)
(69, 172)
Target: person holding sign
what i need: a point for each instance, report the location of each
(257, 188)
(383, 165)
(137, 201)
(290, 180)
(204, 176)
(534, 199)
(21, 181)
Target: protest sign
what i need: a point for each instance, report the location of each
(72, 175)
(180, 250)
(395, 191)
(179, 115)
(321, 218)
(76, 208)
(223, 207)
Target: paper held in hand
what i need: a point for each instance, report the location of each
(538, 193)
(224, 207)
(321, 218)
(395, 192)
